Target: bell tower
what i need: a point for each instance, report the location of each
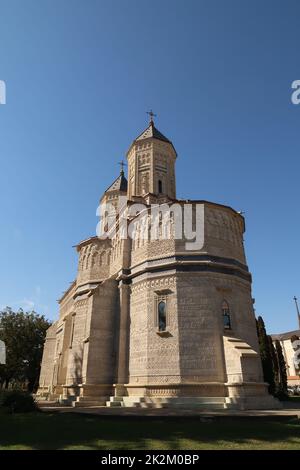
(151, 164)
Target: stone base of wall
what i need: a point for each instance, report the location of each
(78, 395)
(176, 390)
(87, 390)
(266, 402)
(250, 396)
(43, 391)
(58, 389)
(206, 396)
(246, 389)
(202, 403)
(49, 393)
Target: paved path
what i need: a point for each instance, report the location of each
(285, 413)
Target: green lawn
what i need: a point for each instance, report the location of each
(295, 399)
(76, 431)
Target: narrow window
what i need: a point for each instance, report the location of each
(160, 189)
(72, 330)
(162, 317)
(226, 316)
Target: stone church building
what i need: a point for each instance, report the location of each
(149, 322)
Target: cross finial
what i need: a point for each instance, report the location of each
(297, 307)
(152, 115)
(122, 164)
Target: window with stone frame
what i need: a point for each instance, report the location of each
(72, 330)
(162, 316)
(226, 315)
(161, 311)
(160, 187)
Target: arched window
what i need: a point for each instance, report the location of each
(160, 188)
(226, 316)
(162, 316)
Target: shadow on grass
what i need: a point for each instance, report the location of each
(75, 431)
(295, 399)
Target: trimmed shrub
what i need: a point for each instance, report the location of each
(17, 401)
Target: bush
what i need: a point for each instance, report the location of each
(17, 401)
(281, 395)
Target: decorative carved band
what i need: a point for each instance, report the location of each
(154, 283)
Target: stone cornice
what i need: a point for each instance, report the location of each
(200, 263)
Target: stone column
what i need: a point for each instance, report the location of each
(123, 340)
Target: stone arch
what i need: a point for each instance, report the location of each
(94, 258)
(102, 258)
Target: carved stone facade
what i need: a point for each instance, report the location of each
(148, 320)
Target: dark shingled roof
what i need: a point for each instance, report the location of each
(151, 131)
(120, 184)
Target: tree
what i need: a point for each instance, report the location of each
(273, 363)
(282, 375)
(266, 355)
(23, 334)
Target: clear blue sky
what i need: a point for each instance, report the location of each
(80, 76)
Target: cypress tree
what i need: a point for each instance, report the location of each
(266, 355)
(282, 375)
(275, 366)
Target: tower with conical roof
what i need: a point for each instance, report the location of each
(111, 200)
(151, 165)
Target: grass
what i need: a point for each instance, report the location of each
(294, 399)
(79, 431)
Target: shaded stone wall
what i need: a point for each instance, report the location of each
(47, 368)
(76, 369)
(101, 356)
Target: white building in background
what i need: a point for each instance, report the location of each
(290, 343)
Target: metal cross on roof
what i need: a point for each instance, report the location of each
(122, 164)
(297, 307)
(151, 114)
